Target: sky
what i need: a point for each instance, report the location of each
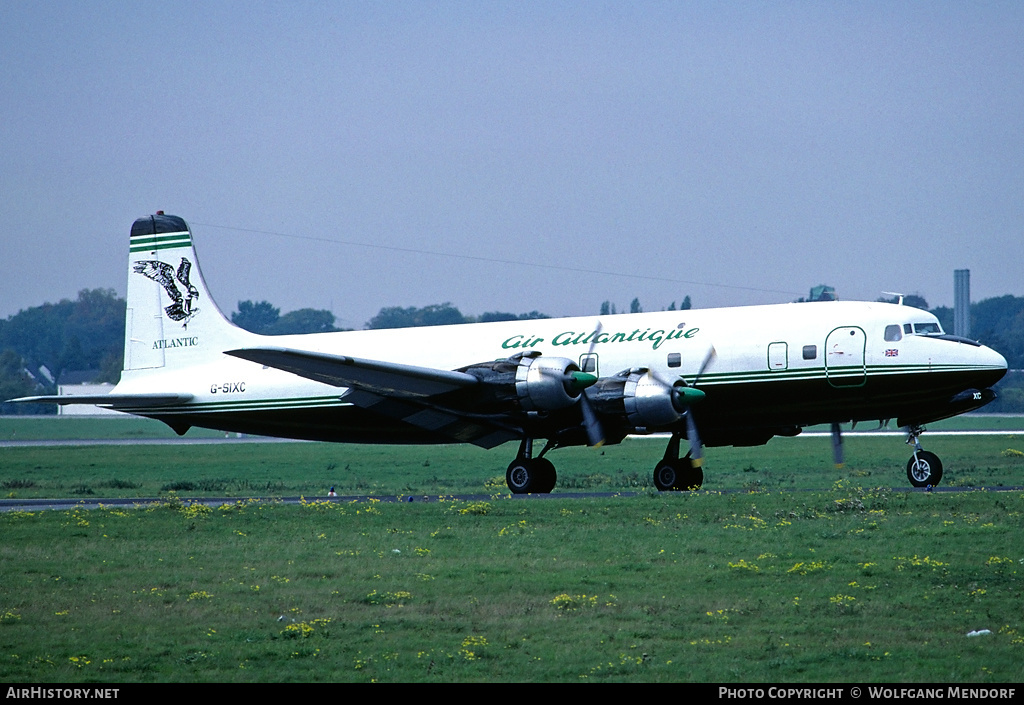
(516, 156)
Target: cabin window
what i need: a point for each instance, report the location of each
(675, 360)
(893, 333)
(810, 352)
(588, 363)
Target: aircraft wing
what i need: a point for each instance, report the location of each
(403, 392)
(385, 378)
(116, 401)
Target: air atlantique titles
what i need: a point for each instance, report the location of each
(168, 343)
(655, 338)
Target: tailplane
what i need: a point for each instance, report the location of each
(171, 320)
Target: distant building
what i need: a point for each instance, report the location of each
(823, 293)
(84, 409)
(78, 383)
(962, 302)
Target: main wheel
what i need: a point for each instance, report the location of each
(666, 475)
(530, 475)
(691, 478)
(924, 468)
(677, 475)
(547, 477)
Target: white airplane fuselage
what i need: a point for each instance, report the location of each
(776, 366)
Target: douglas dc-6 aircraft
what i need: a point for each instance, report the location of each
(712, 377)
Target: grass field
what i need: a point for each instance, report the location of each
(813, 574)
(129, 427)
(279, 469)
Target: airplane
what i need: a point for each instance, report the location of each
(713, 377)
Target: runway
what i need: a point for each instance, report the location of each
(233, 440)
(63, 504)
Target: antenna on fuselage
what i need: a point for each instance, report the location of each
(897, 295)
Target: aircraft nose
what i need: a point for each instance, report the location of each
(995, 361)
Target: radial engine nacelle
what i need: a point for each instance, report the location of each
(641, 399)
(532, 381)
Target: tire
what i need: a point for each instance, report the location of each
(924, 469)
(520, 476)
(546, 475)
(531, 476)
(666, 475)
(691, 478)
(677, 475)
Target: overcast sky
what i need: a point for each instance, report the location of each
(516, 156)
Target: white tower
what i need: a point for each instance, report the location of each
(962, 302)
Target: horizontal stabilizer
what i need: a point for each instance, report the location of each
(116, 401)
(385, 378)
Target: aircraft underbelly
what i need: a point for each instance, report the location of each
(786, 402)
(339, 424)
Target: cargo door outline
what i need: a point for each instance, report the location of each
(845, 363)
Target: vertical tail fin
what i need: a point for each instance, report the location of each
(171, 319)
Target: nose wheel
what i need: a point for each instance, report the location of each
(924, 469)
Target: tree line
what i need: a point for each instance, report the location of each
(42, 344)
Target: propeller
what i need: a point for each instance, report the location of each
(576, 383)
(592, 424)
(687, 396)
(684, 396)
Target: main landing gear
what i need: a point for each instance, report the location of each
(675, 473)
(536, 475)
(924, 468)
(527, 474)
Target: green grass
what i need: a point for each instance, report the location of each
(843, 585)
(292, 469)
(808, 576)
(29, 428)
(34, 428)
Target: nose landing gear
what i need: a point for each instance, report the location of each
(924, 468)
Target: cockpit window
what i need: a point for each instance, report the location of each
(927, 329)
(893, 333)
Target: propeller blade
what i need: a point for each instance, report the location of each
(683, 398)
(837, 445)
(708, 358)
(592, 424)
(595, 431)
(689, 395)
(696, 447)
(593, 341)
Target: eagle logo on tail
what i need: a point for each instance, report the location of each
(182, 306)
